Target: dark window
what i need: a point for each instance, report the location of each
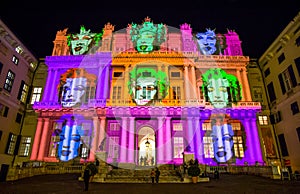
(5, 112)
(294, 108)
(175, 74)
(297, 42)
(292, 76)
(283, 146)
(0, 134)
(298, 132)
(1, 66)
(271, 92)
(146, 74)
(297, 30)
(282, 86)
(18, 118)
(281, 58)
(297, 62)
(267, 72)
(279, 49)
(118, 74)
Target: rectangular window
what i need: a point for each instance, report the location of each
(19, 118)
(9, 81)
(113, 147)
(114, 127)
(208, 147)
(284, 150)
(236, 126)
(298, 133)
(15, 60)
(238, 146)
(281, 58)
(287, 80)
(25, 146)
(175, 74)
(263, 120)
(19, 49)
(257, 92)
(36, 96)
(117, 92)
(176, 93)
(295, 108)
(297, 62)
(271, 92)
(267, 72)
(1, 66)
(297, 42)
(206, 126)
(23, 91)
(118, 74)
(11, 144)
(0, 134)
(3, 110)
(177, 126)
(178, 147)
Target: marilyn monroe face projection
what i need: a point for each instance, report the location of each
(75, 84)
(147, 84)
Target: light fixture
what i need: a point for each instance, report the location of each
(147, 143)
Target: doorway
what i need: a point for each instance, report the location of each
(146, 144)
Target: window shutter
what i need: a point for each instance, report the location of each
(292, 75)
(281, 83)
(20, 90)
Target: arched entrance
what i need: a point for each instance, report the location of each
(146, 143)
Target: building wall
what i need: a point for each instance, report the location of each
(14, 57)
(281, 62)
(113, 122)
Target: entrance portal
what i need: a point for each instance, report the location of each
(146, 139)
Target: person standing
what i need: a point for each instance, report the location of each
(152, 175)
(86, 178)
(157, 174)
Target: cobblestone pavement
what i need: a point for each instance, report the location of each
(68, 183)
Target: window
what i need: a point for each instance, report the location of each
(19, 118)
(175, 74)
(116, 92)
(281, 58)
(114, 126)
(0, 134)
(284, 150)
(177, 126)
(176, 93)
(23, 91)
(113, 147)
(267, 72)
(9, 81)
(206, 126)
(279, 49)
(15, 60)
(257, 91)
(263, 120)
(297, 62)
(297, 42)
(11, 144)
(294, 108)
(298, 132)
(178, 147)
(208, 147)
(271, 92)
(3, 110)
(19, 49)
(1, 66)
(275, 118)
(25, 146)
(238, 146)
(236, 126)
(118, 74)
(36, 96)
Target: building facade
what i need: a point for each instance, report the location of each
(17, 66)
(280, 66)
(147, 95)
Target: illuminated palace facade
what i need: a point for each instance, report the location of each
(147, 95)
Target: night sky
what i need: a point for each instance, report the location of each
(258, 24)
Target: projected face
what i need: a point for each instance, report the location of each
(145, 90)
(207, 42)
(145, 42)
(80, 44)
(69, 142)
(73, 90)
(217, 92)
(222, 141)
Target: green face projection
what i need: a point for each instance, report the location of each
(147, 84)
(80, 43)
(148, 36)
(220, 87)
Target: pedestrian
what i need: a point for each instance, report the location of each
(86, 178)
(152, 175)
(157, 174)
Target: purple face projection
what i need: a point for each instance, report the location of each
(75, 87)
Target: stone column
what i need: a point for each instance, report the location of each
(249, 154)
(190, 133)
(43, 143)
(99, 91)
(197, 137)
(246, 86)
(186, 83)
(37, 138)
(193, 83)
(95, 142)
(131, 148)
(54, 89)
(256, 142)
(48, 85)
(160, 141)
(123, 147)
(168, 141)
(126, 79)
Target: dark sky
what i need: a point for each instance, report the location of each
(257, 23)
